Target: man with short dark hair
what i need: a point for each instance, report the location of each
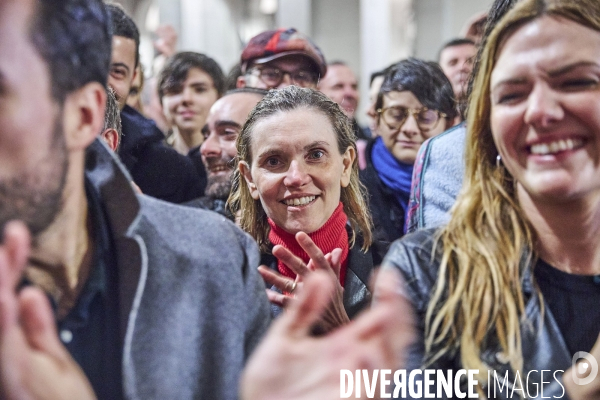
(456, 59)
(188, 86)
(223, 125)
(280, 58)
(144, 298)
(158, 170)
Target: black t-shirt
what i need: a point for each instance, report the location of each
(574, 301)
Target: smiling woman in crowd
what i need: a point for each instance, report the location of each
(298, 192)
(415, 102)
(511, 283)
(188, 85)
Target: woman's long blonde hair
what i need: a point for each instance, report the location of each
(488, 243)
(253, 218)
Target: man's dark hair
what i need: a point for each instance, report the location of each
(73, 37)
(123, 25)
(424, 79)
(112, 114)
(177, 67)
(454, 43)
(231, 79)
(379, 73)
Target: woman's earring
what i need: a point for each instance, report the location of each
(498, 161)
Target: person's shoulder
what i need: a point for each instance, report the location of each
(138, 129)
(420, 243)
(453, 136)
(194, 240)
(417, 256)
(190, 225)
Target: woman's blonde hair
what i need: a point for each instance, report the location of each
(253, 218)
(488, 243)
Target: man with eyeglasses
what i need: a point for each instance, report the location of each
(280, 58)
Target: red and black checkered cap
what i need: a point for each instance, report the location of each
(269, 45)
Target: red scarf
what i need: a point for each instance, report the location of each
(331, 235)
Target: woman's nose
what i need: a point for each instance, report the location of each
(296, 174)
(543, 107)
(410, 126)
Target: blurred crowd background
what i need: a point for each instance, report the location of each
(367, 34)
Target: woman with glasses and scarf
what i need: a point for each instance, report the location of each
(415, 102)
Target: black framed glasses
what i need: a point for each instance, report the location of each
(395, 117)
(272, 77)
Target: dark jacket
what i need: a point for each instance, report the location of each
(190, 313)
(542, 342)
(387, 213)
(196, 157)
(360, 132)
(211, 204)
(158, 170)
(357, 295)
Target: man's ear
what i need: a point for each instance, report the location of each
(111, 137)
(348, 161)
(241, 82)
(84, 115)
(245, 171)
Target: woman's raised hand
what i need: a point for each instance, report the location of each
(293, 364)
(334, 315)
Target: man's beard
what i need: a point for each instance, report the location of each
(218, 186)
(35, 196)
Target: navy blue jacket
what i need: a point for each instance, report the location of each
(157, 169)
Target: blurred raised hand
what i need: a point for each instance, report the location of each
(33, 362)
(293, 364)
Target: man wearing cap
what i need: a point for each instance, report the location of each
(280, 58)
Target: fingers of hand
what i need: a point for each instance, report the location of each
(13, 257)
(390, 319)
(273, 278)
(309, 305)
(334, 259)
(38, 323)
(290, 260)
(17, 246)
(315, 254)
(277, 298)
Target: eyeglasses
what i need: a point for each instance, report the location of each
(395, 117)
(272, 77)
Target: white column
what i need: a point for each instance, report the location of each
(295, 14)
(207, 27)
(387, 35)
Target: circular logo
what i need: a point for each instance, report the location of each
(588, 367)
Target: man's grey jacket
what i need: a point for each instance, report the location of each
(192, 305)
